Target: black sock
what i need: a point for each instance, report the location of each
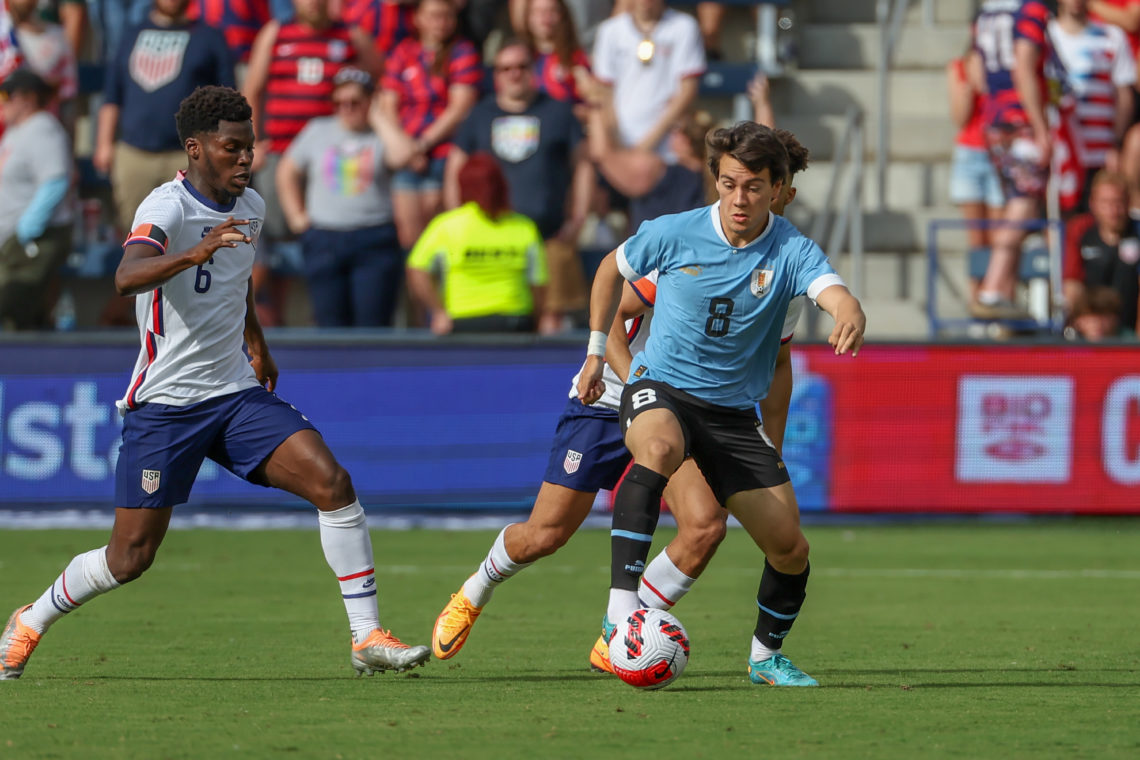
(637, 505)
(779, 599)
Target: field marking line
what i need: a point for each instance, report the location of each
(956, 573)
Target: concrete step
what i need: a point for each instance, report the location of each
(903, 231)
(910, 184)
(857, 46)
(832, 91)
(959, 12)
(911, 138)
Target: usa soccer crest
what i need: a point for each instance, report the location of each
(515, 138)
(150, 480)
(156, 58)
(762, 281)
(571, 462)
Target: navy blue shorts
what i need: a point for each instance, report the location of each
(588, 452)
(164, 446)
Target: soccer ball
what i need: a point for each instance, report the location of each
(649, 649)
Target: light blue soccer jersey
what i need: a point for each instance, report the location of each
(720, 310)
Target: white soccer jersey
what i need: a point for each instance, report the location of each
(638, 331)
(192, 326)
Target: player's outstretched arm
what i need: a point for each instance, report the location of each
(144, 266)
(604, 299)
(263, 365)
(850, 321)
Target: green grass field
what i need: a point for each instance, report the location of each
(933, 640)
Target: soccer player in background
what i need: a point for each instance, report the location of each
(726, 276)
(194, 395)
(588, 454)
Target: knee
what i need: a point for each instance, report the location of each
(792, 557)
(130, 562)
(660, 455)
(333, 488)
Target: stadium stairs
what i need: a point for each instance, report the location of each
(837, 45)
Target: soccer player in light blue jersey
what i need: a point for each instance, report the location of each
(726, 274)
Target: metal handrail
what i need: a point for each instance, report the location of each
(844, 230)
(889, 14)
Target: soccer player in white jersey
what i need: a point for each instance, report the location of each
(726, 275)
(193, 394)
(588, 454)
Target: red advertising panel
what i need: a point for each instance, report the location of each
(981, 429)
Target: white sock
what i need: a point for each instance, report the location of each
(761, 652)
(496, 568)
(85, 577)
(348, 550)
(622, 603)
(662, 584)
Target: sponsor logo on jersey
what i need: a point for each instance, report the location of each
(515, 138)
(150, 480)
(156, 58)
(694, 271)
(641, 371)
(761, 282)
(571, 462)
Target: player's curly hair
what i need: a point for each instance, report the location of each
(202, 110)
(752, 144)
(798, 155)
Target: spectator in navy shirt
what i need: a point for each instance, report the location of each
(538, 144)
(160, 62)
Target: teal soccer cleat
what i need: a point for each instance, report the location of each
(778, 670)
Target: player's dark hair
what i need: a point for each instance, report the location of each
(798, 155)
(202, 110)
(755, 146)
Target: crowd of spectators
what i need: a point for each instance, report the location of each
(1047, 92)
(369, 114)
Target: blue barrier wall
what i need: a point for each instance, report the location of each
(418, 425)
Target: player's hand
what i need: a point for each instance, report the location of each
(758, 88)
(590, 385)
(225, 235)
(848, 332)
(441, 323)
(265, 369)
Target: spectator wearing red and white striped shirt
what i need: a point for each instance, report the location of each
(290, 81)
(239, 21)
(387, 22)
(559, 58)
(1100, 72)
(430, 85)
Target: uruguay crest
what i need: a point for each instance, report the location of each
(515, 138)
(762, 281)
(150, 480)
(571, 462)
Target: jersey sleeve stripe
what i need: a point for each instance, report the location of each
(822, 283)
(623, 266)
(646, 290)
(148, 234)
(786, 339)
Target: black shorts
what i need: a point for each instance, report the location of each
(729, 445)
